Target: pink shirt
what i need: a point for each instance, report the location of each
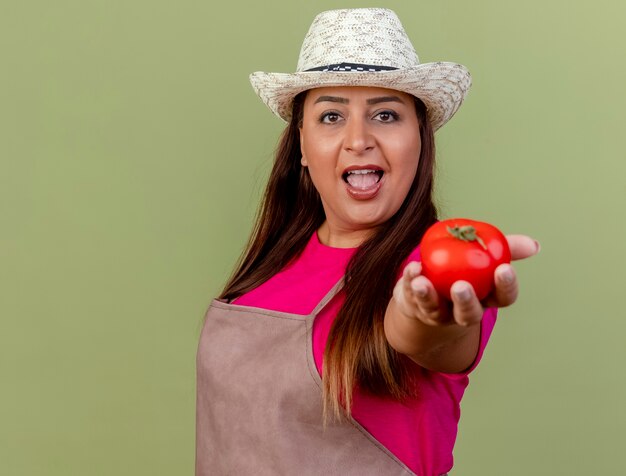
(421, 433)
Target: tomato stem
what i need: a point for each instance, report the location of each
(466, 233)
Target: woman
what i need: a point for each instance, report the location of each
(328, 352)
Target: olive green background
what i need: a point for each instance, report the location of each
(132, 155)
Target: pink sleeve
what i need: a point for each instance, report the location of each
(486, 327)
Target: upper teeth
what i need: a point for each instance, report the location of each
(363, 171)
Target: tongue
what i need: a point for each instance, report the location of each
(363, 181)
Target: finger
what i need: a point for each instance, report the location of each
(506, 289)
(402, 291)
(467, 309)
(411, 270)
(414, 268)
(522, 246)
(428, 303)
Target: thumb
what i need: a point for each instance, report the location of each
(522, 246)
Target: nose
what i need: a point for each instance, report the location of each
(358, 138)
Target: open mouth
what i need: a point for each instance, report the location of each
(363, 179)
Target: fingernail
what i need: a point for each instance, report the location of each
(421, 291)
(538, 247)
(507, 276)
(414, 269)
(462, 294)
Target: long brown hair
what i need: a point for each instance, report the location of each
(357, 351)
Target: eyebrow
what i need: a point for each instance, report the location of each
(385, 99)
(369, 101)
(331, 99)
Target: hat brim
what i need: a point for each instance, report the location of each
(442, 86)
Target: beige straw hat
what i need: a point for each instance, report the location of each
(365, 47)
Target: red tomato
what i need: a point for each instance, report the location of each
(460, 248)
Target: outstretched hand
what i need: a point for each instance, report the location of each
(417, 298)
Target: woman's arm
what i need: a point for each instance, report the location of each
(440, 335)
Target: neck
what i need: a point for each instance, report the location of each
(339, 238)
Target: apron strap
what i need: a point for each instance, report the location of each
(329, 295)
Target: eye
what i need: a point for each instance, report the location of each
(330, 117)
(386, 116)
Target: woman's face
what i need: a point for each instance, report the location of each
(362, 147)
